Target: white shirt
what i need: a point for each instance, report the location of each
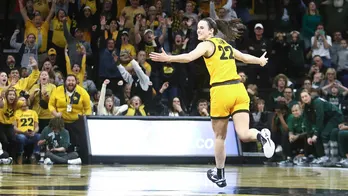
(321, 51)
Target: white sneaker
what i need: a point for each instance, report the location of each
(75, 161)
(6, 161)
(279, 149)
(48, 161)
(268, 146)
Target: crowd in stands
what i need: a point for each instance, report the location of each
(91, 57)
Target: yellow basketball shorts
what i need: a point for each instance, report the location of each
(226, 100)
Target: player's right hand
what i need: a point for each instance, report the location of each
(263, 59)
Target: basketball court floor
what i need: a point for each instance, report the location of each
(152, 180)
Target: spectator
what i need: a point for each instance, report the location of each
(42, 7)
(39, 25)
(77, 46)
(335, 48)
(58, 39)
(136, 107)
(296, 137)
(288, 98)
(69, 102)
(256, 47)
(202, 108)
(52, 57)
(47, 66)
(106, 104)
(296, 56)
(259, 116)
(85, 22)
(55, 141)
(323, 117)
(28, 48)
(330, 77)
(126, 46)
(78, 70)
(321, 44)
(24, 84)
(39, 96)
(342, 62)
(108, 51)
(89, 86)
(277, 95)
(317, 79)
(336, 94)
(138, 79)
(26, 127)
(279, 125)
(280, 54)
(90, 4)
(8, 105)
(310, 22)
(175, 108)
(307, 85)
(131, 11)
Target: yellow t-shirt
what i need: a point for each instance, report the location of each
(81, 103)
(129, 48)
(221, 64)
(42, 7)
(31, 29)
(7, 114)
(130, 13)
(120, 6)
(91, 3)
(26, 120)
(81, 75)
(204, 5)
(42, 113)
(58, 32)
(25, 84)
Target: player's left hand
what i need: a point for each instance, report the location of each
(159, 57)
(263, 59)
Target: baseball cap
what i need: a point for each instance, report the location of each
(147, 31)
(125, 32)
(258, 25)
(52, 51)
(87, 7)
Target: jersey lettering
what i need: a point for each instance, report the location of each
(27, 122)
(227, 52)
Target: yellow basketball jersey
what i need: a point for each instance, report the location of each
(26, 120)
(221, 64)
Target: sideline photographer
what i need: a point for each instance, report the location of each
(54, 142)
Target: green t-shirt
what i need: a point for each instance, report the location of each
(55, 139)
(297, 125)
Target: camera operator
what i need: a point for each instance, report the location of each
(54, 141)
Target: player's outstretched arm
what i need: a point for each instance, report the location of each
(199, 51)
(250, 59)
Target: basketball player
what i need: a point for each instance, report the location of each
(228, 95)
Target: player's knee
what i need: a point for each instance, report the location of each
(220, 136)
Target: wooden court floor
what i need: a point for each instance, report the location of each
(152, 180)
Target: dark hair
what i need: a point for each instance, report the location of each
(70, 75)
(56, 123)
(231, 29)
(201, 101)
(13, 105)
